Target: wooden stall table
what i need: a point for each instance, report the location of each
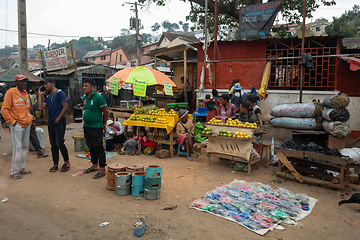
(169, 127)
(236, 149)
(296, 161)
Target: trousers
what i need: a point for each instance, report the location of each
(94, 137)
(20, 146)
(57, 141)
(34, 139)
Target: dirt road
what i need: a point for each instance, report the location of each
(47, 205)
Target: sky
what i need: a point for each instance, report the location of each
(103, 18)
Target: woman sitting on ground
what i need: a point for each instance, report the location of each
(185, 131)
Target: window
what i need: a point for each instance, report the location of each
(318, 29)
(103, 57)
(120, 58)
(93, 59)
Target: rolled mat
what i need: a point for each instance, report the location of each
(337, 129)
(298, 123)
(338, 114)
(337, 101)
(297, 110)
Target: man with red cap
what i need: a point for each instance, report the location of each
(16, 111)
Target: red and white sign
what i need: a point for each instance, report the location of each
(56, 59)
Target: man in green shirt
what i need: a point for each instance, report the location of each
(95, 116)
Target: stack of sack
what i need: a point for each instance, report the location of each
(336, 115)
(303, 116)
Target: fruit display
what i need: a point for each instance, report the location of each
(145, 111)
(148, 119)
(238, 123)
(207, 131)
(135, 118)
(161, 121)
(225, 133)
(215, 121)
(162, 112)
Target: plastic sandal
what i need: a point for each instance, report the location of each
(240, 217)
(25, 172)
(65, 168)
(197, 155)
(305, 207)
(54, 169)
(99, 175)
(89, 170)
(189, 158)
(16, 176)
(252, 224)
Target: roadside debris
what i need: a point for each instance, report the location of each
(5, 200)
(104, 224)
(170, 208)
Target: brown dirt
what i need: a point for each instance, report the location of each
(47, 205)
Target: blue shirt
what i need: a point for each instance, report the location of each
(53, 103)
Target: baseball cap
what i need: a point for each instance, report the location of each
(47, 80)
(20, 77)
(108, 122)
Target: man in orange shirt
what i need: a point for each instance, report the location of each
(16, 111)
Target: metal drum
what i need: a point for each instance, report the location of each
(152, 194)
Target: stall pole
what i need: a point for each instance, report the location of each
(185, 79)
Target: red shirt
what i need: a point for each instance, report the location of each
(230, 111)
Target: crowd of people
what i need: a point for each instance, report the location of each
(18, 111)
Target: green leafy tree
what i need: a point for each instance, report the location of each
(7, 50)
(170, 27)
(322, 19)
(348, 24)
(298, 32)
(185, 26)
(155, 27)
(228, 11)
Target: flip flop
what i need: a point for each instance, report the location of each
(25, 172)
(16, 176)
(99, 175)
(89, 170)
(189, 158)
(197, 155)
(42, 156)
(54, 169)
(65, 168)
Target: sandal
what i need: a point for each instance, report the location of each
(15, 176)
(65, 168)
(99, 175)
(25, 172)
(89, 170)
(43, 155)
(197, 155)
(54, 169)
(189, 158)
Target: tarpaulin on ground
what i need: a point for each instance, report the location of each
(256, 206)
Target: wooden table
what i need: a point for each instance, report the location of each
(295, 161)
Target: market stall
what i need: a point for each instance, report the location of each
(232, 140)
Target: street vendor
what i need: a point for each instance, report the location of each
(186, 131)
(212, 105)
(229, 108)
(255, 113)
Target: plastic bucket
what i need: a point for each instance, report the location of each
(79, 145)
(153, 171)
(152, 183)
(138, 178)
(150, 194)
(122, 190)
(122, 178)
(137, 191)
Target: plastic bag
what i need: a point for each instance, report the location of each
(198, 129)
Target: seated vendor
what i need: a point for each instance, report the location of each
(185, 131)
(255, 113)
(143, 144)
(229, 108)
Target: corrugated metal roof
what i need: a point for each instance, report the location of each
(8, 75)
(65, 72)
(92, 53)
(351, 43)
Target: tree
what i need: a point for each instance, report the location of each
(170, 27)
(228, 11)
(155, 27)
(322, 19)
(185, 26)
(348, 24)
(298, 32)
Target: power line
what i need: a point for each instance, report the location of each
(52, 35)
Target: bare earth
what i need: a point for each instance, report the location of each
(47, 205)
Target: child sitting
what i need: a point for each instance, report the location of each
(130, 145)
(118, 135)
(109, 135)
(144, 143)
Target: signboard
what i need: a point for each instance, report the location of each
(139, 88)
(168, 88)
(257, 20)
(114, 86)
(56, 59)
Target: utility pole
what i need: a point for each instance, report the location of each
(22, 35)
(138, 37)
(137, 29)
